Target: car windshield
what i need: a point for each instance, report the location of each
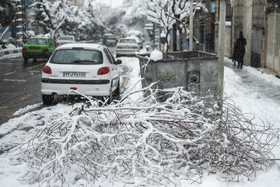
(40, 41)
(127, 41)
(77, 56)
(66, 38)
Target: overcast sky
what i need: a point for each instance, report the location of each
(115, 3)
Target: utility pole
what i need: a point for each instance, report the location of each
(221, 52)
(191, 26)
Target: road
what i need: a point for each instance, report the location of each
(20, 85)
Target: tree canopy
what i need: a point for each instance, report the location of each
(7, 12)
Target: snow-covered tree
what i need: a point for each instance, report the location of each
(7, 12)
(89, 24)
(61, 18)
(170, 12)
(42, 17)
(161, 11)
(131, 13)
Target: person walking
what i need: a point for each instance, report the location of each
(240, 50)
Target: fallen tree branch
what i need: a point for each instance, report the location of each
(150, 143)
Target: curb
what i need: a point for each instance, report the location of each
(268, 71)
(10, 51)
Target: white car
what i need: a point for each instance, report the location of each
(65, 39)
(137, 34)
(127, 47)
(87, 68)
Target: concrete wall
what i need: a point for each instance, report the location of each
(273, 42)
(228, 48)
(258, 33)
(247, 29)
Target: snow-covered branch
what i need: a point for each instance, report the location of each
(180, 138)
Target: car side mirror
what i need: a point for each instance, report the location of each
(118, 61)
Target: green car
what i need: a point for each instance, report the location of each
(38, 47)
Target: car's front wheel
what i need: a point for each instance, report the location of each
(47, 99)
(110, 96)
(117, 91)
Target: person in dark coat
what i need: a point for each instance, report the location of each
(240, 50)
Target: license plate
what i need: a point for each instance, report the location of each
(35, 49)
(74, 74)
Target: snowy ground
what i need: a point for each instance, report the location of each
(255, 93)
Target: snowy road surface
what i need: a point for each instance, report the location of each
(253, 92)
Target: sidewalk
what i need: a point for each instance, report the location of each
(260, 83)
(9, 51)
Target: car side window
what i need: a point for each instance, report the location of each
(109, 56)
(112, 57)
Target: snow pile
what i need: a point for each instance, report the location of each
(147, 142)
(11, 46)
(156, 55)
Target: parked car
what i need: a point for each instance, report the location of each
(38, 47)
(127, 47)
(65, 39)
(87, 68)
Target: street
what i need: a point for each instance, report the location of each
(20, 85)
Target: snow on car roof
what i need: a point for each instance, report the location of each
(135, 32)
(81, 45)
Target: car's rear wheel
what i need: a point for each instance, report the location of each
(25, 59)
(47, 99)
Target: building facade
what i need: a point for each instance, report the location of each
(259, 20)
